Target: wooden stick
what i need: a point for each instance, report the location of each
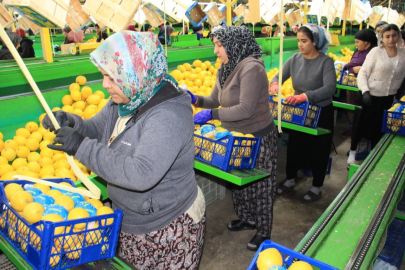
(89, 184)
(280, 72)
(82, 192)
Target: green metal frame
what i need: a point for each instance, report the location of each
(347, 226)
(312, 131)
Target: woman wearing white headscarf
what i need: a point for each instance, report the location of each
(314, 80)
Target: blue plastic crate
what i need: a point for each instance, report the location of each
(346, 79)
(394, 122)
(43, 249)
(228, 153)
(289, 256)
(303, 114)
(394, 247)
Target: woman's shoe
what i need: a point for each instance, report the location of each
(312, 196)
(256, 241)
(283, 189)
(240, 225)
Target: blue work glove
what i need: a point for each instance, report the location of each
(64, 119)
(367, 98)
(193, 97)
(69, 140)
(203, 116)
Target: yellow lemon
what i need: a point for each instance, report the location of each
(34, 167)
(67, 108)
(78, 112)
(86, 92)
(44, 161)
(79, 105)
(63, 163)
(22, 151)
(81, 80)
(96, 203)
(9, 175)
(33, 212)
(74, 87)
(93, 99)
(20, 200)
(78, 213)
(76, 95)
(9, 154)
(49, 136)
(11, 189)
(105, 210)
(31, 126)
(55, 218)
(54, 193)
(1, 136)
(18, 162)
(268, 258)
(46, 152)
(23, 170)
(197, 63)
(20, 140)
(67, 100)
(31, 144)
(11, 144)
(46, 170)
(1, 145)
(44, 144)
(66, 202)
(100, 93)
(44, 188)
(187, 66)
(300, 265)
(181, 68)
(42, 131)
(58, 156)
(3, 160)
(23, 132)
(63, 173)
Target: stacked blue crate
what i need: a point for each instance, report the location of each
(394, 247)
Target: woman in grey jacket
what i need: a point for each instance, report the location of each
(126, 143)
(241, 90)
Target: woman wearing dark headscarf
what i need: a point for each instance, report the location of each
(5, 53)
(198, 30)
(26, 48)
(101, 34)
(314, 80)
(365, 40)
(126, 143)
(379, 80)
(241, 90)
(146, 27)
(163, 37)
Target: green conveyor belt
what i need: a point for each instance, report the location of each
(337, 242)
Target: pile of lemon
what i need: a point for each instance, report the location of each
(198, 78)
(271, 259)
(92, 40)
(346, 58)
(40, 202)
(27, 153)
(286, 89)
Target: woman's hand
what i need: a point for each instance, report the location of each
(64, 119)
(356, 69)
(274, 88)
(68, 139)
(203, 116)
(367, 98)
(295, 99)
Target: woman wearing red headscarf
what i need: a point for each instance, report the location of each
(26, 48)
(71, 36)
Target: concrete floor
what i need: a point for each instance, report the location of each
(292, 217)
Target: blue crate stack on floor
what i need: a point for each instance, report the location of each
(394, 247)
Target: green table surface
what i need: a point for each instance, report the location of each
(312, 131)
(345, 87)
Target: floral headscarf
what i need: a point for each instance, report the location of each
(267, 30)
(138, 65)
(321, 37)
(239, 43)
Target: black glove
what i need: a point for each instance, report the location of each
(69, 139)
(64, 119)
(367, 98)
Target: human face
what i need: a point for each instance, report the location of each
(378, 31)
(65, 34)
(306, 46)
(97, 29)
(219, 50)
(361, 45)
(112, 88)
(390, 38)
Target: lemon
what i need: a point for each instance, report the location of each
(9, 154)
(96, 203)
(55, 218)
(78, 213)
(49, 136)
(67, 108)
(1, 136)
(58, 156)
(74, 87)
(81, 80)
(23, 132)
(268, 258)
(22, 170)
(22, 151)
(197, 63)
(100, 93)
(76, 95)
(45, 161)
(66, 202)
(79, 105)
(34, 167)
(18, 162)
(300, 265)
(44, 144)
(46, 152)
(105, 210)
(54, 193)
(11, 144)
(93, 99)
(1, 145)
(11, 189)
(86, 92)
(3, 160)
(46, 170)
(44, 188)
(33, 212)
(31, 144)
(20, 200)
(78, 112)
(9, 175)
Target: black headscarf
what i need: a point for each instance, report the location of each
(367, 35)
(239, 43)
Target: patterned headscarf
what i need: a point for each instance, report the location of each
(267, 30)
(239, 43)
(21, 32)
(321, 37)
(138, 65)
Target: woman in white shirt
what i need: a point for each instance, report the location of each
(379, 80)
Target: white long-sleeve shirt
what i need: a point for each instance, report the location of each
(380, 74)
